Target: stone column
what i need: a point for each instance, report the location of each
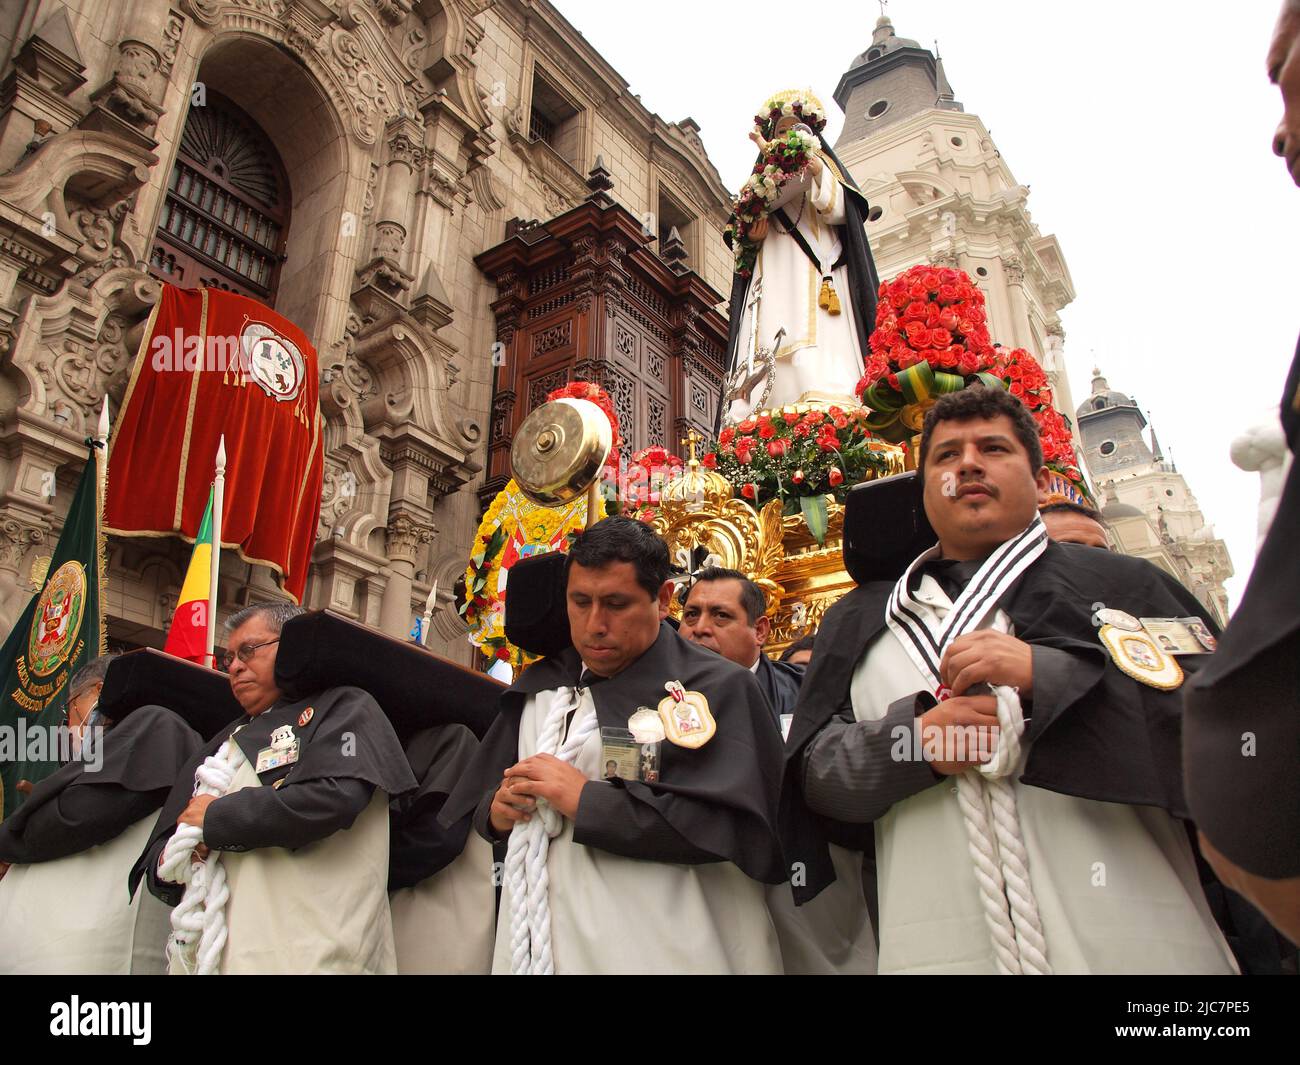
(17, 537)
(407, 536)
(1014, 269)
(392, 214)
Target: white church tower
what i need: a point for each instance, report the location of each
(942, 193)
(1147, 503)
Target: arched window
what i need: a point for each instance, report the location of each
(225, 219)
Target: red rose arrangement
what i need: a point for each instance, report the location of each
(647, 472)
(931, 337)
(799, 457)
(1020, 373)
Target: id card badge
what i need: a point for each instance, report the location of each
(269, 758)
(623, 757)
(620, 755)
(1180, 636)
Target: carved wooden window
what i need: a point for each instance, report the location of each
(225, 218)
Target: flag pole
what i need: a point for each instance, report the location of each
(429, 605)
(218, 501)
(100, 451)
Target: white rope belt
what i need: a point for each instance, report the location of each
(997, 848)
(526, 854)
(199, 922)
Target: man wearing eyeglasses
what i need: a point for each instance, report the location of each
(83, 826)
(301, 829)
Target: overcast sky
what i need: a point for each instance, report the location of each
(1144, 133)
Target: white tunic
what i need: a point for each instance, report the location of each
(320, 909)
(818, 357)
(446, 924)
(73, 915)
(831, 934)
(1116, 885)
(611, 914)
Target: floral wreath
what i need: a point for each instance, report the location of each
(802, 103)
(648, 472)
(513, 528)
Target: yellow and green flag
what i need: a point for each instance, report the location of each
(188, 635)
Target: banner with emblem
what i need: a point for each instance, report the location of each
(214, 362)
(60, 631)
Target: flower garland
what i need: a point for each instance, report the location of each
(514, 528)
(648, 471)
(799, 457)
(780, 159)
(802, 106)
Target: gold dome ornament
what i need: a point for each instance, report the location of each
(559, 452)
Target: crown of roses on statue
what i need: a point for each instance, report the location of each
(801, 103)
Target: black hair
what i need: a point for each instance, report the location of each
(1065, 506)
(983, 403)
(620, 539)
(804, 643)
(752, 597)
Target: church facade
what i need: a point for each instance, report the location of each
(345, 163)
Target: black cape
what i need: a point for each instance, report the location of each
(139, 759)
(864, 282)
(780, 682)
(721, 798)
(348, 737)
(1249, 807)
(1112, 739)
(419, 844)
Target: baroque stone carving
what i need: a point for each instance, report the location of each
(406, 535)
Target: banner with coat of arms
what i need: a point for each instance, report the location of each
(60, 631)
(214, 362)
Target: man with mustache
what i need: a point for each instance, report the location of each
(987, 703)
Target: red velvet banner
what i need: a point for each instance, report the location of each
(216, 363)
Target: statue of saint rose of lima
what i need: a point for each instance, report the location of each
(814, 231)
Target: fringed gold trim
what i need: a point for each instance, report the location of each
(189, 415)
(137, 366)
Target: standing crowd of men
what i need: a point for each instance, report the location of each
(988, 766)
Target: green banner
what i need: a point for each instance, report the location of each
(59, 632)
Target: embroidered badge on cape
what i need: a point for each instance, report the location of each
(1136, 654)
(686, 717)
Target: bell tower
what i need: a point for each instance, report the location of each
(942, 193)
